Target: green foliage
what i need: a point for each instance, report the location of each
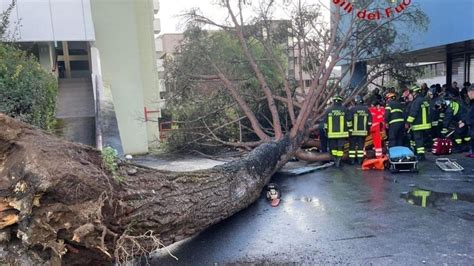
(27, 91)
(199, 104)
(110, 160)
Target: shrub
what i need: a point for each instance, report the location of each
(110, 160)
(27, 91)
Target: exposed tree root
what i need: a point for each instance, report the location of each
(59, 204)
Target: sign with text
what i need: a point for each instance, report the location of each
(393, 8)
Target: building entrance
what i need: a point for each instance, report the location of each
(73, 59)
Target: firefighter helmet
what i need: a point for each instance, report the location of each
(440, 104)
(416, 89)
(336, 98)
(390, 96)
(358, 99)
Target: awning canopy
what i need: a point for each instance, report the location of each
(50, 20)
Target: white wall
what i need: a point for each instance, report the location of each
(50, 20)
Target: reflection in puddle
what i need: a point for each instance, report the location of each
(428, 198)
(458, 204)
(313, 201)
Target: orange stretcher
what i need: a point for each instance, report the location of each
(375, 164)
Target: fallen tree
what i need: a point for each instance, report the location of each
(58, 201)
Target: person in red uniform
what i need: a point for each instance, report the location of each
(378, 119)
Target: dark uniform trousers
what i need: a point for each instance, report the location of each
(336, 146)
(396, 134)
(356, 147)
(419, 117)
(418, 141)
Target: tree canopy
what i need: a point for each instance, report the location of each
(248, 71)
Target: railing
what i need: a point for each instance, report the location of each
(98, 88)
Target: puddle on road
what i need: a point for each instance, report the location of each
(312, 201)
(439, 200)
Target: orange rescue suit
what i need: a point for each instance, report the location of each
(378, 126)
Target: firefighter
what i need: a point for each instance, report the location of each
(394, 120)
(359, 125)
(436, 112)
(470, 119)
(336, 125)
(378, 118)
(456, 114)
(418, 121)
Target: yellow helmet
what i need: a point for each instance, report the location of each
(337, 98)
(415, 88)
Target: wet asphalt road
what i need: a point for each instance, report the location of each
(344, 216)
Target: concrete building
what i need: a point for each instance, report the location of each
(166, 45)
(103, 54)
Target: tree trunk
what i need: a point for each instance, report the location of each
(59, 204)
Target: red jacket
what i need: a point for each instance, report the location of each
(378, 116)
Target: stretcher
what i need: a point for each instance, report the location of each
(402, 159)
(448, 165)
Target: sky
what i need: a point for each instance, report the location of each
(170, 10)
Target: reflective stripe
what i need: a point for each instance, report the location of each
(396, 111)
(455, 196)
(458, 141)
(352, 154)
(421, 127)
(359, 133)
(423, 194)
(339, 134)
(435, 123)
(330, 129)
(467, 139)
(424, 120)
(356, 122)
(340, 153)
(455, 107)
(410, 119)
(420, 150)
(397, 121)
(334, 152)
(424, 115)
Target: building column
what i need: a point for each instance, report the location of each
(357, 78)
(47, 57)
(449, 69)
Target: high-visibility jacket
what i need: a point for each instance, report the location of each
(336, 122)
(419, 114)
(360, 120)
(394, 113)
(435, 114)
(455, 112)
